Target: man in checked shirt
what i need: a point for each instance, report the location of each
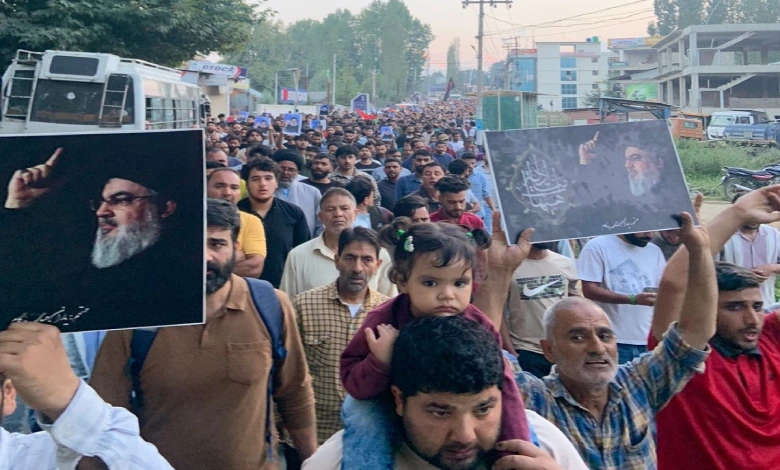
(328, 317)
(608, 412)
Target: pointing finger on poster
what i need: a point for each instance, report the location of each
(29, 184)
(588, 150)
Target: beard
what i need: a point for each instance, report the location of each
(128, 241)
(218, 275)
(636, 241)
(284, 184)
(643, 183)
(318, 175)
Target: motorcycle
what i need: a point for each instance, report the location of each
(738, 180)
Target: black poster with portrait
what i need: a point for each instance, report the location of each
(584, 181)
(102, 231)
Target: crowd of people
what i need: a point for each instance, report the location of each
(404, 332)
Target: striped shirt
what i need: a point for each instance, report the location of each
(326, 327)
(624, 439)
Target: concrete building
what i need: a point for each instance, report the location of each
(706, 68)
(567, 72)
(632, 55)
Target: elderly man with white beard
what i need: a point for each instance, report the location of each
(134, 248)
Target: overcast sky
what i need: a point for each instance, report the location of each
(449, 20)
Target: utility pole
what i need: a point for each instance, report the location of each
(428, 74)
(276, 88)
(334, 81)
(480, 34)
(512, 66)
(296, 77)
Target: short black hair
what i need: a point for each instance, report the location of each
(458, 167)
(254, 131)
(391, 160)
(452, 185)
(212, 165)
(358, 235)
(346, 150)
(233, 136)
(224, 215)
(360, 188)
(259, 150)
(445, 355)
(323, 156)
(426, 152)
(312, 148)
(260, 164)
(468, 156)
(289, 156)
(733, 278)
(408, 205)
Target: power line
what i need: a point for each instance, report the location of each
(592, 28)
(595, 20)
(576, 16)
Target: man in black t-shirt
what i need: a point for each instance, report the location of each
(366, 162)
(321, 167)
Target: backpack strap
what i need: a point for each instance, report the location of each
(140, 344)
(270, 309)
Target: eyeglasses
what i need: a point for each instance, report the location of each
(122, 199)
(288, 170)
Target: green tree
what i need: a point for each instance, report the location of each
(666, 17)
(453, 63)
(689, 12)
(159, 31)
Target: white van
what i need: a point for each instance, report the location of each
(721, 119)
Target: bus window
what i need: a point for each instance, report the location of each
(155, 114)
(66, 102)
(170, 115)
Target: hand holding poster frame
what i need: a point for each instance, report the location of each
(99, 232)
(262, 123)
(585, 181)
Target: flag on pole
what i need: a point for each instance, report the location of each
(365, 116)
(450, 87)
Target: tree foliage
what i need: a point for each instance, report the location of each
(453, 63)
(166, 32)
(382, 38)
(678, 14)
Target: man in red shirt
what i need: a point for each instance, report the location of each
(728, 417)
(452, 197)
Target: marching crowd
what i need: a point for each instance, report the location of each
(404, 332)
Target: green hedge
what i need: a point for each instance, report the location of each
(703, 165)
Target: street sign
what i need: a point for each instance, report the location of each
(360, 102)
(287, 96)
(202, 66)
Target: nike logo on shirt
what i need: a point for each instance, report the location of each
(538, 290)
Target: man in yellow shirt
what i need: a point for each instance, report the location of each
(225, 183)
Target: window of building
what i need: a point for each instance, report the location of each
(568, 76)
(594, 60)
(595, 86)
(595, 73)
(568, 62)
(568, 89)
(569, 103)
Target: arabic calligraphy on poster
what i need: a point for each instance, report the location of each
(540, 186)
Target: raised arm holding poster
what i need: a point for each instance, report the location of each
(585, 181)
(102, 231)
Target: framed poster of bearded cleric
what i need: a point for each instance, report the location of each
(102, 231)
(585, 181)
